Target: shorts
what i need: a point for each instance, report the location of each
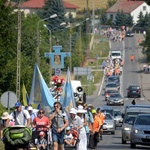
(58, 137)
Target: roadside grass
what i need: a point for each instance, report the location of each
(97, 55)
(1, 145)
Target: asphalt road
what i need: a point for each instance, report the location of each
(131, 75)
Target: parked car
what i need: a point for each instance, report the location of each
(129, 116)
(115, 99)
(111, 86)
(108, 92)
(133, 91)
(113, 78)
(109, 124)
(129, 33)
(140, 131)
(118, 117)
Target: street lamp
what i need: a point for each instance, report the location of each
(38, 37)
(50, 43)
(70, 39)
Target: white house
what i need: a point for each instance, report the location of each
(132, 7)
(32, 6)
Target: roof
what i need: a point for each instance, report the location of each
(125, 6)
(38, 4)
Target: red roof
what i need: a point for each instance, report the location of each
(38, 4)
(125, 6)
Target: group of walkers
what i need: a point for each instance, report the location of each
(81, 127)
(112, 67)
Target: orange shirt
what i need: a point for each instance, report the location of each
(102, 118)
(132, 57)
(96, 124)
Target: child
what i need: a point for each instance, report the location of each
(70, 137)
(41, 142)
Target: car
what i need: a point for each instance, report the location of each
(118, 117)
(115, 98)
(111, 86)
(140, 131)
(113, 78)
(130, 114)
(109, 124)
(133, 91)
(108, 92)
(107, 109)
(129, 33)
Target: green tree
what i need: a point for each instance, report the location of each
(128, 20)
(146, 21)
(120, 19)
(103, 19)
(147, 1)
(140, 20)
(53, 7)
(110, 3)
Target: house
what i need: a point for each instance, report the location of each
(33, 6)
(131, 7)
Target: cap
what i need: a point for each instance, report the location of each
(30, 108)
(41, 133)
(5, 116)
(17, 104)
(93, 111)
(80, 109)
(73, 111)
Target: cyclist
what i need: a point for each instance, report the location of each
(132, 58)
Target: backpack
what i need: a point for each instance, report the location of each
(22, 112)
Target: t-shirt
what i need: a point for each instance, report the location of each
(96, 124)
(41, 141)
(59, 120)
(76, 122)
(41, 123)
(68, 137)
(89, 119)
(20, 117)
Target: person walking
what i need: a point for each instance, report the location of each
(132, 58)
(20, 116)
(133, 101)
(59, 122)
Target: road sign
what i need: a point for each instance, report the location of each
(82, 70)
(8, 99)
(57, 71)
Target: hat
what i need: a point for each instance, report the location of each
(68, 128)
(30, 108)
(17, 104)
(41, 133)
(80, 109)
(5, 115)
(73, 111)
(93, 111)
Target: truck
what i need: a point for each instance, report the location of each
(114, 54)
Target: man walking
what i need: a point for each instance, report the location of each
(59, 123)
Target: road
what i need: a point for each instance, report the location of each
(131, 75)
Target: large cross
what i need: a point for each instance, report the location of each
(57, 57)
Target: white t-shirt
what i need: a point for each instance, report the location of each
(21, 117)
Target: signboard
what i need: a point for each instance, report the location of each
(82, 70)
(57, 71)
(57, 57)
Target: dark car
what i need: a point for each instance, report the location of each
(108, 92)
(129, 34)
(115, 79)
(133, 91)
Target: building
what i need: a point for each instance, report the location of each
(131, 7)
(32, 6)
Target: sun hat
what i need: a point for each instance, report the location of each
(17, 104)
(73, 111)
(30, 108)
(5, 115)
(80, 109)
(93, 111)
(41, 133)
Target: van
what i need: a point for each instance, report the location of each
(115, 54)
(130, 114)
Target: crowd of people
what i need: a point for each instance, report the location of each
(81, 127)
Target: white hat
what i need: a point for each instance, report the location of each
(5, 115)
(73, 111)
(30, 108)
(68, 128)
(80, 109)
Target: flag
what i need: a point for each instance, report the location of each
(40, 94)
(25, 96)
(67, 98)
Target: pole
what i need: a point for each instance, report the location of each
(18, 54)
(50, 50)
(38, 45)
(70, 48)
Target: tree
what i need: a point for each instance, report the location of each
(104, 19)
(128, 20)
(53, 7)
(147, 1)
(120, 19)
(146, 21)
(140, 20)
(110, 3)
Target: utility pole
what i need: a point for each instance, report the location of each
(18, 54)
(70, 47)
(93, 18)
